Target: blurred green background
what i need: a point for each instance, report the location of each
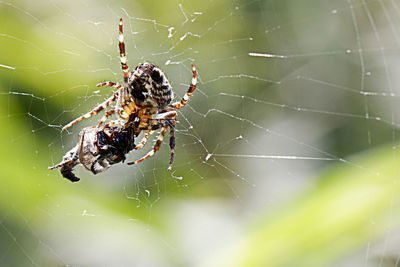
(289, 158)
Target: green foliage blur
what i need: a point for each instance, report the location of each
(285, 160)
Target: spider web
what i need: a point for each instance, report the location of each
(287, 90)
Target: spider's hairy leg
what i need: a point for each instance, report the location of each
(113, 123)
(108, 114)
(120, 90)
(100, 107)
(156, 147)
(171, 145)
(93, 112)
(122, 54)
(111, 84)
(144, 140)
(168, 119)
(186, 97)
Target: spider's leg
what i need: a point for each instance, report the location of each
(144, 140)
(113, 123)
(100, 107)
(120, 89)
(108, 114)
(156, 147)
(111, 84)
(167, 119)
(185, 98)
(124, 66)
(171, 145)
(93, 112)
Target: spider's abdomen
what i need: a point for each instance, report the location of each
(150, 86)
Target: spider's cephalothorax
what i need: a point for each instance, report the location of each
(147, 87)
(143, 104)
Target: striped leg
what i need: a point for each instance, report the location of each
(119, 92)
(171, 145)
(100, 107)
(156, 147)
(94, 111)
(144, 140)
(120, 89)
(113, 123)
(185, 98)
(111, 84)
(124, 66)
(168, 119)
(108, 114)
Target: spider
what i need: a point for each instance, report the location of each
(144, 97)
(97, 149)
